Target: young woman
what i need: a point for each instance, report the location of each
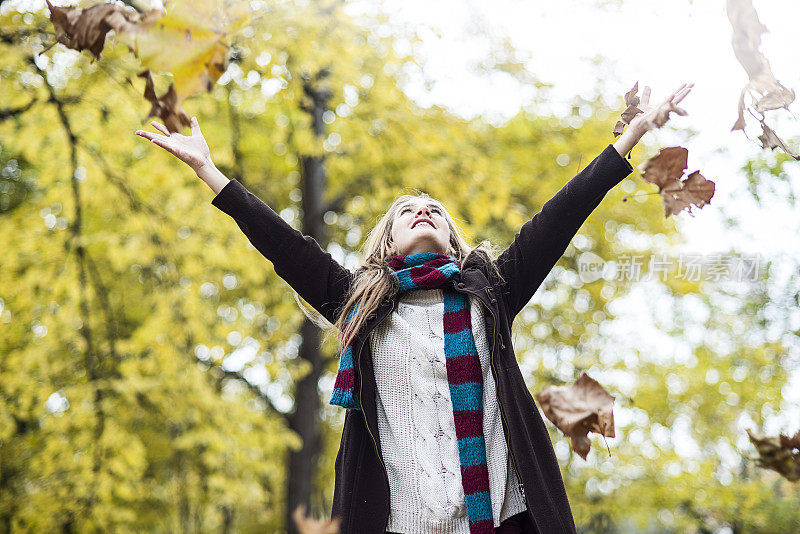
(441, 434)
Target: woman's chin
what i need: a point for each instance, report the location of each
(419, 249)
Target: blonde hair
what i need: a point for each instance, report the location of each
(371, 279)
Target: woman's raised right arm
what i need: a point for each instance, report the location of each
(297, 258)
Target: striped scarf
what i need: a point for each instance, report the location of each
(429, 270)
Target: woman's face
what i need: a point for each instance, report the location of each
(420, 226)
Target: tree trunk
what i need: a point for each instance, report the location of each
(305, 419)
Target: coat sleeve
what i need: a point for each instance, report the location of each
(297, 258)
(543, 239)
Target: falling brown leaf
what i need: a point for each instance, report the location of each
(740, 122)
(631, 101)
(776, 96)
(746, 39)
(86, 29)
(165, 107)
(769, 139)
(781, 453)
(579, 409)
(695, 190)
(666, 167)
(186, 40)
(194, 34)
(666, 170)
(769, 94)
(310, 525)
(658, 120)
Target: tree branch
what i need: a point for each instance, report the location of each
(7, 113)
(92, 356)
(253, 388)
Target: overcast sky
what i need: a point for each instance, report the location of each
(660, 44)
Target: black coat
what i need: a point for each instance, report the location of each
(361, 487)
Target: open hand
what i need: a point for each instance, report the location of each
(655, 117)
(192, 150)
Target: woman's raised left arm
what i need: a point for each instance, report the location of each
(543, 239)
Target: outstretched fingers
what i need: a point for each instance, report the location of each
(160, 140)
(154, 136)
(160, 127)
(194, 126)
(149, 135)
(645, 100)
(679, 95)
(671, 97)
(681, 92)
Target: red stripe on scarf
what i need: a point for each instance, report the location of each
(456, 321)
(426, 278)
(475, 478)
(469, 423)
(345, 379)
(464, 369)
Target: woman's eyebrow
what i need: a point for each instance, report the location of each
(407, 205)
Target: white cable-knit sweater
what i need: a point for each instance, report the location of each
(415, 421)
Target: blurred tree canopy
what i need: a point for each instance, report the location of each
(149, 355)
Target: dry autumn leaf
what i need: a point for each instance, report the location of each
(165, 107)
(695, 190)
(657, 121)
(746, 41)
(779, 453)
(666, 169)
(769, 139)
(186, 40)
(579, 409)
(86, 29)
(631, 101)
(767, 92)
(310, 525)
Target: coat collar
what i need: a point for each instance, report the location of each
(474, 280)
